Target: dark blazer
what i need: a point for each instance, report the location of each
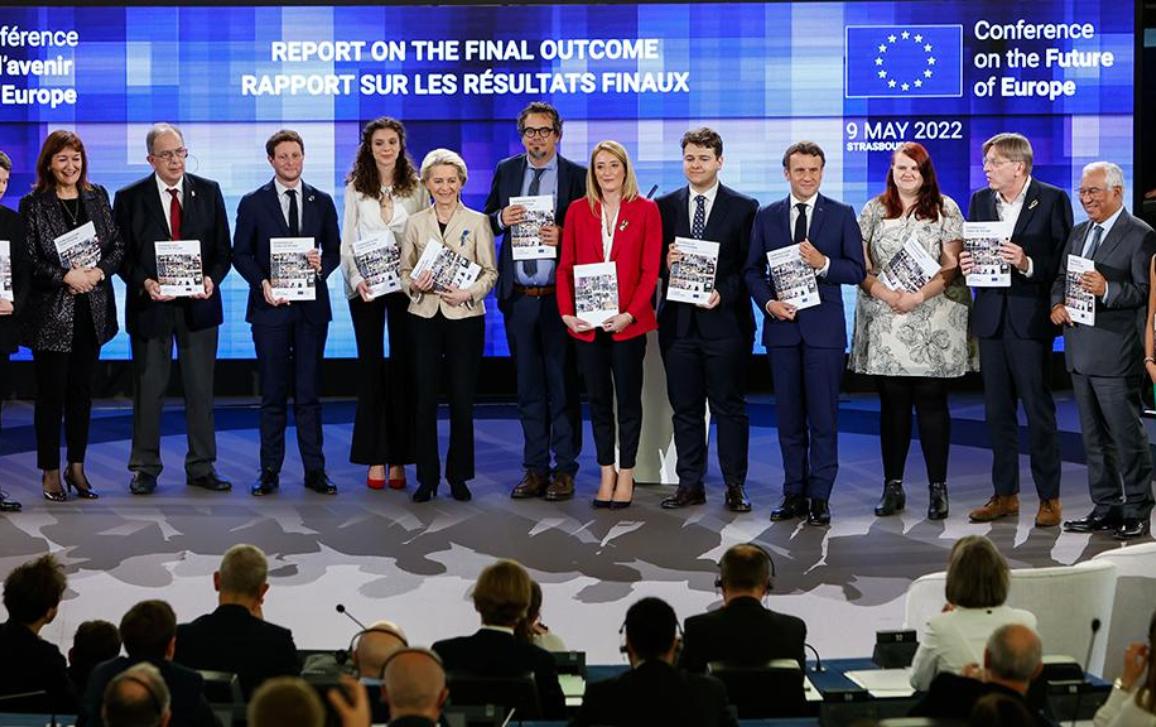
(507, 183)
(655, 694)
(232, 639)
(1041, 230)
(953, 697)
(743, 632)
(186, 690)
(496, 653)
(729, 224)
(141, 219)
(31, 664)
(635, 252)
(47, 323)
(258, 219)
(412, 722)
(12, 230)
(1115, 345)
(835, 232)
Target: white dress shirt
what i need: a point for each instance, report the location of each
(284, 200)
(708, 205)
(1010, 212)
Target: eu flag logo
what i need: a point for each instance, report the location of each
(897, 61)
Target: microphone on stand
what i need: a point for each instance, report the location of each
(341, 610)
(818, 660)
(1095, 626)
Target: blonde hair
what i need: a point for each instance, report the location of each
(629, 184)
(439, 157)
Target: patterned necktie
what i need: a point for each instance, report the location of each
(175, 214)
(699, 223)
(1097, 233)
(294, 215)
(801, 223)
(530, 267)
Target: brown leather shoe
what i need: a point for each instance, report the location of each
(532, 485)
(999, 506)
(562, 488)
(1049, 514)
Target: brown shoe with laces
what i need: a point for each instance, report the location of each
(532, 485)
(1050, 513)
(561, 488)
(999, 506)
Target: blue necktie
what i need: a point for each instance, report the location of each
(699, 217)
(1097, 233)
(530, 267)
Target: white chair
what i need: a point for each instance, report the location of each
(1063, 599)
(1135, 601)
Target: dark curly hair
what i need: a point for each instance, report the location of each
(364, 173)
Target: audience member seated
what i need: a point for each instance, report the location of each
(414, 686)
(1012, 659)
(742, 631)
(137, 697)
(654, 692)
(502, 598)
(999, 710)
(235, 638)
(286, 702)
(371, 650)
(531, 629)
(149, 631)
(976, 588)
(1132, 702)
(94, 642)
(32, 594)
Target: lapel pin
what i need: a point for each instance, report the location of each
(310, 198)
(624, 225)
(1033, 203)
(193, 192)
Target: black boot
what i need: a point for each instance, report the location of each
(937, 501)
(894, 498)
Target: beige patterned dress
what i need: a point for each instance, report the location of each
(932, 339)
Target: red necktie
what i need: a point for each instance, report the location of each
(175, 214)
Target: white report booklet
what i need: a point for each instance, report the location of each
(6, 292)
(378, 259)
(179, 270)
(1080, 303)
(910, 268)
(79, 248)
(692, 277)
(794, 280)
(449, 269)
(981, 240)
(596, 292)
(526, 237)
(290, 274)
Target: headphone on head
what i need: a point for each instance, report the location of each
(622, 648)
(346, 656)
(763, 554)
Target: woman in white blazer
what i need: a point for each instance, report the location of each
(381, 192)
(1132, 702)
(977, 586)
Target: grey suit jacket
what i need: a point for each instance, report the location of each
(1115, 345)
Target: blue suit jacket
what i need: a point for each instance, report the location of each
(835, 232)
(258, 219)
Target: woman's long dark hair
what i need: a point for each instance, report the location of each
(364, 174)
(929, 205)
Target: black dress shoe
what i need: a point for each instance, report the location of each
(736, 499)
(7, 505)
(820, 513)
(424, 492)
(791, 507)
(266, 484)
(1133, 528)
(1092, 523)
(142, 484)
(894, 499)
(320, 483)
(210, 482)
(684, 497)
(460, 492)
(937, 501)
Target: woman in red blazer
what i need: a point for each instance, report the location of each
(613, 224)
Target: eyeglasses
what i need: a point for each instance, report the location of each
(1091, 191)
(172, 154)
(543, 132)
(994, 162)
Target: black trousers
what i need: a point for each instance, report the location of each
(64, 391)
(383, 427)
(898, 395)
(612, 371)
(457, 346)
(289, 360)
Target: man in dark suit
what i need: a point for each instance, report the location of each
(149, 631)
(171, 204)
(705, 345)
(235, 637)
(805, 347)
(543, 353)
(289, 337)
(502, 597)
(742, 631)
(1104, 359)
(12, 230)
(1015, 335)
(654, 692)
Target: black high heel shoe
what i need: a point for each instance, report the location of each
(52, 495)
(86, 492)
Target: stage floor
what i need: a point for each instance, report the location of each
(385, 557)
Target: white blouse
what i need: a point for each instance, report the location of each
(1121, 710)
(362, 219)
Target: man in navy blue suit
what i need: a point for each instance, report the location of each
(543, 353)
(705, 346)
(805, 347)
(289, 337)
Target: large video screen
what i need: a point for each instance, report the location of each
(856, 77)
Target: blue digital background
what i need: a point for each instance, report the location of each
(763, 75)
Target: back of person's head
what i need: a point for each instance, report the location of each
(745, 567)
(1014, 654)
(375, 645)
(414, 683)
(137, 697)
(525, 628)
(977, 575)
(651, 627)
(502, 593)
(95, 641)
(148, 630)
(243, 572)
(33, 590)
(999, 710)
(286, 702)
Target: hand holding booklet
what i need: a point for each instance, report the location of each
(78, 248)
(793, 279)
(378, 259)
(447, 268)
(692, 277)
(526, 236)
(981, 240)
(179, 268)
(909, 269)
(596, 292)
(290, 274)
(1080, 303)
